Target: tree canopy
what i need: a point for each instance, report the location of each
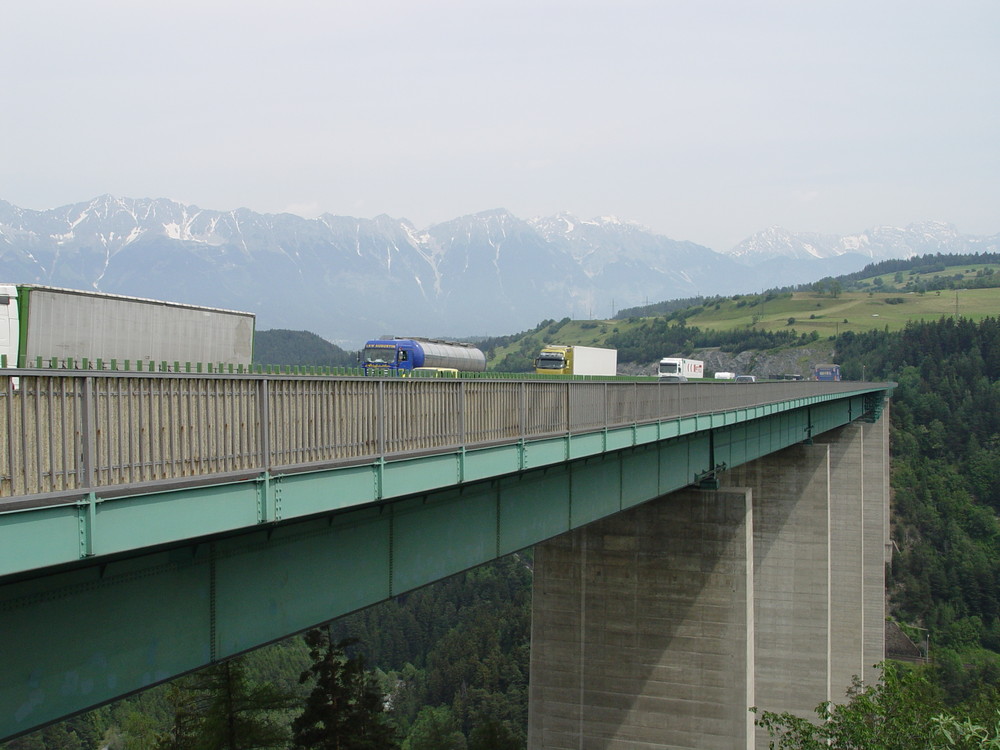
(903, 711)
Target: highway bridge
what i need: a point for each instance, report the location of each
(154, 523)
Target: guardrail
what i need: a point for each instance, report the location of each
(69, 433)
(129, 366)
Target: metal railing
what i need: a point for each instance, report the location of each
(73, 432)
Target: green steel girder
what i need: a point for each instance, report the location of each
(874, 403)
(171, 581)
(39, 538)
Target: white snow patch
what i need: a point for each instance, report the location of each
(80, 218)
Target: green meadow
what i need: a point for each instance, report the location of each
(888, 301)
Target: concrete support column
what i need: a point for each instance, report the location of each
(791, 520)
(660, 626)
(847, 594)
(860, 548)
(877, 542)
(642, 629)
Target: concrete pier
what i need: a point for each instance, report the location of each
(642, 628)
(659, 627)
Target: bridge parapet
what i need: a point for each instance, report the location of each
(72, 433)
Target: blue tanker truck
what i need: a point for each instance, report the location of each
(399, 356)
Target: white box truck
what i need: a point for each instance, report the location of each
(68, 325)
(576, 360)
(679, 367)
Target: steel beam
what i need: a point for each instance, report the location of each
(171, 581)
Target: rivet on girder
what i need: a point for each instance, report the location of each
(86, 515)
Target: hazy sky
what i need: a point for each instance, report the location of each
(702, 120)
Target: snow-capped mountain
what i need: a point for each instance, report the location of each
(349, 279)
(879, 243)
(778, 242)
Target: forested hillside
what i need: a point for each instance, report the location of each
(945, 440)
(456, 653)
(282, 347)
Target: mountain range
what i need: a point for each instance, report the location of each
(349, 279)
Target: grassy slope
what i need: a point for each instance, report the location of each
(850, 311)
(826, 314)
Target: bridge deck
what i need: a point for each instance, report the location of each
(103, 463)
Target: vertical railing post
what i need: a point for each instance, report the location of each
(267, 493)
(461, 413)
(25, 391)
(568, 401)
(87, 419)
(87, 509)
(264, 419)
(380, 438)
(659, 402)
(380, 418)
(607, 410)
(37, 404)
(522, 417)
(9, 388)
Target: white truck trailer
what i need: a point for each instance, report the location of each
(68, 325)
(671, 367)
(576, 360)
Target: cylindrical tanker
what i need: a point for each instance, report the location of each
(397, 355)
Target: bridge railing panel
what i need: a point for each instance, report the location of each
(299, 429)
(149, 429)
(41, 423)
(355, 410)
(75, 432)
(649, 401)
(494, 411)
(588, 405)
(546, 408)
(421, 414)
(315, 420)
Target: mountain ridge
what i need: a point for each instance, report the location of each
(351, 278)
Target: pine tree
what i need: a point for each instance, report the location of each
(493, 735)
(219, 708)
(345, 710)
(436, 729)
